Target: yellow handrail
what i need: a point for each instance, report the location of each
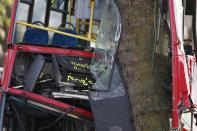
(55, 31)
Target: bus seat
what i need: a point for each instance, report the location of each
(36, 36)
(62, 40)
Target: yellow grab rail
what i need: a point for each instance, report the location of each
(55, 31)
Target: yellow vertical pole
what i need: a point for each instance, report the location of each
(77, 25)
(91, 18)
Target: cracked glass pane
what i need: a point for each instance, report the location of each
(108, 80)
(116, 87)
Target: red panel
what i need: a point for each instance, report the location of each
(175, 88)
(180, 78)
(5, 64)
(8, 67)
(52, 50)
(48, 101)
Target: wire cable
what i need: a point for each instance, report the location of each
(58, 119)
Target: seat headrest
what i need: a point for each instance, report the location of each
(36, 36)
(62, 40)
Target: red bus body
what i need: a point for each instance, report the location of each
(9, 60)
(182, 69)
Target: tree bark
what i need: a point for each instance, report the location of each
(149, 100)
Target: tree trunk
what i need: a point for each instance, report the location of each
(149, 100)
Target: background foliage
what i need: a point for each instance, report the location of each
(5, 14)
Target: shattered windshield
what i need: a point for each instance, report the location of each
(103, 66)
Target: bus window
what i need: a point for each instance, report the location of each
(58, 4)
(39, 12)
(22, 12)
(83, 17)
(22, 15)
(78, 18)
(55, 19)
(57, 12)
(82, 9)
(28, 11)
